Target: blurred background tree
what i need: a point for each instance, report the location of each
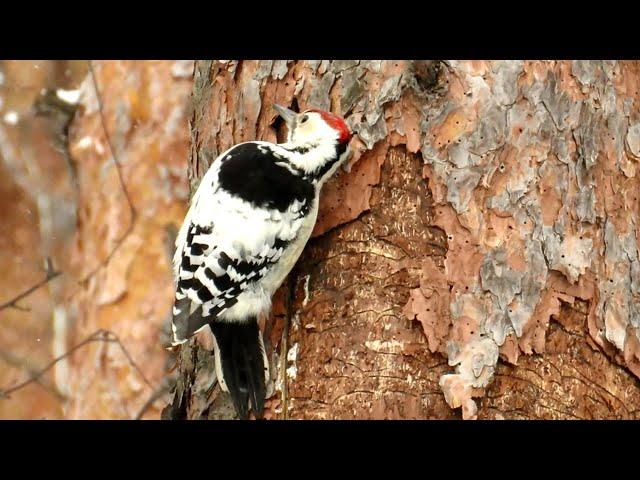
(106, 218)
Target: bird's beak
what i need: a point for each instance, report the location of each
(287, 115)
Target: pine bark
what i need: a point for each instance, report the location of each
(480, 259)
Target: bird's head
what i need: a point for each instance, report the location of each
(314, 126)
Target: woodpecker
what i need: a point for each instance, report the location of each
(248, 223)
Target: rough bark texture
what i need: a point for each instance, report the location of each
(484, 244)
(129, 290)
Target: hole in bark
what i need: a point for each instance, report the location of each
(280, 128)
(427, 73)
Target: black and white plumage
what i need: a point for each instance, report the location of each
(247, 225)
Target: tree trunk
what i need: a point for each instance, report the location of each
(483, 246)
(37, 218)
(129, 145)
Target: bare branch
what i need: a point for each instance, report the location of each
(18, 307)
(35, 377)
(123, 185)
(100, 335)
(114, 338)
(15, 361)
(50, 274)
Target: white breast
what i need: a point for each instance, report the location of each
(272, 281)
(256, 299)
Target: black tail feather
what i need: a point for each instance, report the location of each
(242, 364)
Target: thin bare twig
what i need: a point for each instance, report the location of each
(20, 308)
(15, 361)
(35, 377)
(50, 274)
(100, 335)
(116, 339)
(123, 185)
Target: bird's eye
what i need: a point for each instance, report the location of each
(304, 118)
